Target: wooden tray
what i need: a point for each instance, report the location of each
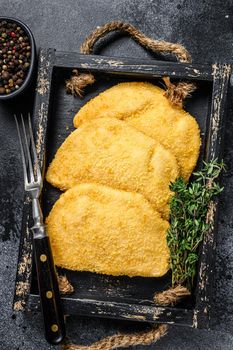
(108, 296)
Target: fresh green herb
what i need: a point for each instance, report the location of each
(189, 207)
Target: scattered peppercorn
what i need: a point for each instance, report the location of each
(15, 56)
(5, 75)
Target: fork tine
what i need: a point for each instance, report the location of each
(31, 173)
(37, 168)
(22, 153)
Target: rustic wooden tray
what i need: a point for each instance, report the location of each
(108, 296)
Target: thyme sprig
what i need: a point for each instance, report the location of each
(189, 207)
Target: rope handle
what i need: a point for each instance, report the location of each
(176, 93)
(154, 45)
(121, 340)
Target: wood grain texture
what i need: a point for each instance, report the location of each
(133, 66)
(221, 76)
(123, 311)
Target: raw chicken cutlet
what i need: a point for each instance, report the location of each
(145, 107)
(99, 229)
(111, 152)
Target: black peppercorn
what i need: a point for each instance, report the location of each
(5, 75)
(19, 81)
(15, 56)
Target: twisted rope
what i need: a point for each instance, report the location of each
(65, 287)
(171, 296)
(176, 93)
(122, 340)
(152, 44)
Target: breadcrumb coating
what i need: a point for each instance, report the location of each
(108, 151)
(144, 106)
(100, 229)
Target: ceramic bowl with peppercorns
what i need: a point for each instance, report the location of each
(17, 57)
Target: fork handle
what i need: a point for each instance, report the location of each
(51, 306)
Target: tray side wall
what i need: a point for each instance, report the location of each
(221, 76)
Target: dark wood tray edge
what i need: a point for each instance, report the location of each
(123, 311)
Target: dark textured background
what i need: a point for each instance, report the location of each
(206, 29)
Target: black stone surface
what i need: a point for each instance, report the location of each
(206, 29)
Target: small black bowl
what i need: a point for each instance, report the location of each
(30, 72)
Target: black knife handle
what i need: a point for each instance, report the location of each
(48, 287)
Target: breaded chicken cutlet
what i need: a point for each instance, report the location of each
(100, 229)
(145, 107)
(108, 151)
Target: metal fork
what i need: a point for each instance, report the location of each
(46, 274)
